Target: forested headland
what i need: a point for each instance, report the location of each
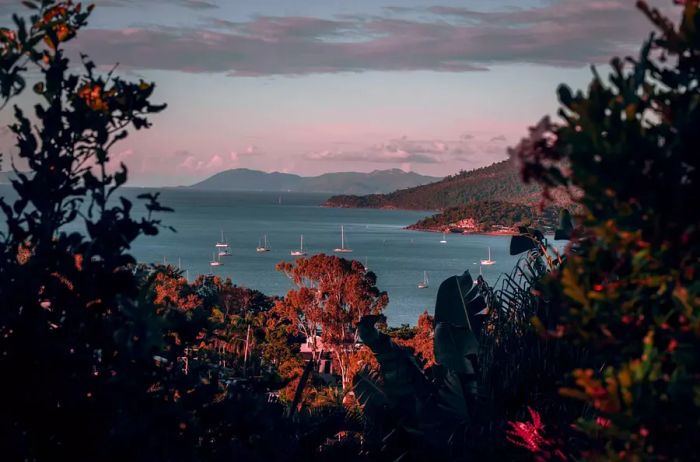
(497, 182)
(490, 217)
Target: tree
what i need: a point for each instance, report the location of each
(332, 295)
(172, 289)
(628, 292)
(91, 365)
(421, 342)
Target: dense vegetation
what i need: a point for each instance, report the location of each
(629, 293)
(489, 214)
(602, 344)
(590, 355)
(497, 182)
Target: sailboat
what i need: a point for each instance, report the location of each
(488, 261)
(215, 261)
(263, 247)
(424, 284)
(342, 248)
(224, 252)
(444, 239)
(222, 244)
(300, 252)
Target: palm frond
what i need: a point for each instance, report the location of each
(367, 385)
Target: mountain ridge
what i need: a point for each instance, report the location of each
(377, 181)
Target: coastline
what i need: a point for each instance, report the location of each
(509, 232)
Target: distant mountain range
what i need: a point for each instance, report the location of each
(376, 182)
(497, 182)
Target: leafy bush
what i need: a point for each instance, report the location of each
(627, 152)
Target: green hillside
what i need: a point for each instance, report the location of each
(497, 182)
(487, 216)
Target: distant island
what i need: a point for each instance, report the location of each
(490, 199)
(376, 182)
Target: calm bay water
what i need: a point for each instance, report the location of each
(396, 255)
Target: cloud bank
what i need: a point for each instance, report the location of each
(404, 150)
(565, 33)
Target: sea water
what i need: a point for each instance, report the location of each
(397, 256)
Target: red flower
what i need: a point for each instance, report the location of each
(672, 345)
(602, 421)
(527, 434)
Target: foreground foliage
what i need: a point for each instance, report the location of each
(104, 359)
(627, 151)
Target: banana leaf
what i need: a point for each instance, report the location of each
(459, 302)
(452, 345)
(528, 239)
(452, 397)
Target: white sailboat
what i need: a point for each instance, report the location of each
(263, 247)
(300, 252)
(342, 248)
(222, 244)
(215, 261)
(444, 239)
(224, 252)
(488, 261)
(424, 284)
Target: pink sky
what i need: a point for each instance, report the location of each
(315, 86)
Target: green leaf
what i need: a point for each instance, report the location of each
(452, 345)
(565, 96)
(458, 302)
(452, 397)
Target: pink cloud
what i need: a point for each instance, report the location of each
(406, 151)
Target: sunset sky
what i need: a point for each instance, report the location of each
(312, 86)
